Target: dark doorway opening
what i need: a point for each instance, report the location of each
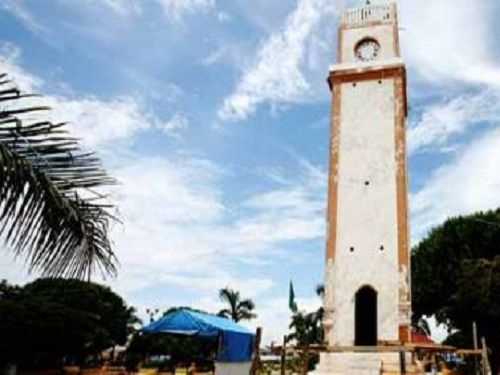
(366, 317)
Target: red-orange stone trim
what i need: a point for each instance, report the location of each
(404, 334)
(333, 174)
(400, 105)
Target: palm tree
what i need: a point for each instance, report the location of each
(306, 328)
(133, 321)
(238, 309)
(51, 213)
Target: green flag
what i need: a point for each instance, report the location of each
(291, 299)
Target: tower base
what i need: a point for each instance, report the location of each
(364, 363)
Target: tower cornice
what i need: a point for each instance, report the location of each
(369, 15)
(380, 72)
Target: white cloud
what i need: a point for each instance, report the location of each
(278, 74)
(209, 284)
(176, 228)
(96, 121)
(175, 10)
(177, 232)
(469, 183)
(291, 213)
(176, 125)
(10, 268)
(122, 7)
(450, 39)
(215, 56)
(18, 10)
(296, 198)
(450, 42)
(9, 63)
(274, 316)
(233, 55)
(223, 17)
(179, 205)
(441, 40)
(440, 122)
(99, 122)
(176, 191)
(167, 209)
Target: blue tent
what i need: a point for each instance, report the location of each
(236, 342)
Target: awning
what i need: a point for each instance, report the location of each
(236, 340)
(420, 338)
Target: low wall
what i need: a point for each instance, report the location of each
(232, 368)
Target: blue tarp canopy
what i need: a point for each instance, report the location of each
(236, 343)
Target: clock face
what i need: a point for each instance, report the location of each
(367, 50)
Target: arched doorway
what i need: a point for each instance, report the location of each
(366, 317)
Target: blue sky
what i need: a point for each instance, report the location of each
(213, 115)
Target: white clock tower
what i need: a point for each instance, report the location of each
(367, 291)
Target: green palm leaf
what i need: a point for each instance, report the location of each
(238, 309)
(50, 213)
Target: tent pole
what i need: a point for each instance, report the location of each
(283, 356)
(256, 352)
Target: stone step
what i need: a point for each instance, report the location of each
(394, 367)
(354, 363)
(411, 369)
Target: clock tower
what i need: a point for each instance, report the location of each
(367, 291)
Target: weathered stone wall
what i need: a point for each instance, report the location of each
(367, 238)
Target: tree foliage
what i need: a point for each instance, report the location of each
(456, 277)
(307, 328)
(238, 309)
(50, 211)
(50, 319)
(437, 261)
(180, 350)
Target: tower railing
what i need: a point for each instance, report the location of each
(385, 13)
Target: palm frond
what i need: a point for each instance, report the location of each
(244, 314)
(225, 313)
(50, 213)
(230, 296)
(247, 304)
(320, 290)
(238, 309)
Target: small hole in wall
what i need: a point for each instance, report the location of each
(382, 248)
(354, 84)
(351, 249)
(367, 183)
(379, 81)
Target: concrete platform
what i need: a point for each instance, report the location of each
(363, 363)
